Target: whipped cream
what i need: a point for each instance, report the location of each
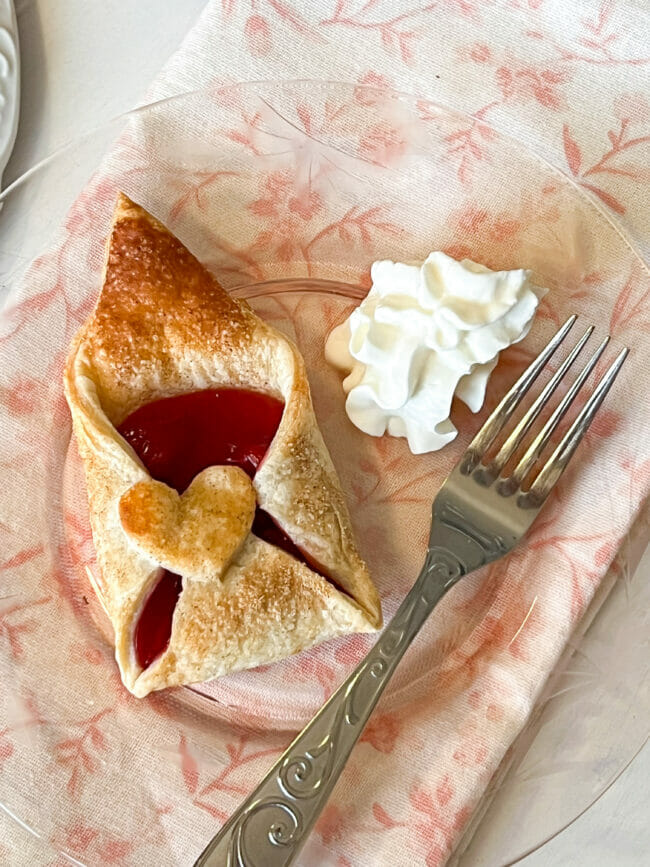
(423, 334)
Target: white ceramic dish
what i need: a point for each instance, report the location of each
(9, 81)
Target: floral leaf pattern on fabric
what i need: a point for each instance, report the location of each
(575, 93)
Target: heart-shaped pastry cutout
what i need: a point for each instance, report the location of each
(194, 534)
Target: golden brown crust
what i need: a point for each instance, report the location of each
(219, 632)
(163, 325)
(157, 303)
(197, 533)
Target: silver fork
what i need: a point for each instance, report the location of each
(479, 515)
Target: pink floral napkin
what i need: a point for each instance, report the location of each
(148, 782)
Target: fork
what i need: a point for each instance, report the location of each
(481, 512)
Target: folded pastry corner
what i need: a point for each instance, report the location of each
(222, 535)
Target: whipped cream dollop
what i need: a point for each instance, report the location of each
(423, 334)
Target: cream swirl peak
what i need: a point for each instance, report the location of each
(423, 334)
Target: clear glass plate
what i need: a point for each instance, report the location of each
(288, 192)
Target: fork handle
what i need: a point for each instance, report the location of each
(272, 824)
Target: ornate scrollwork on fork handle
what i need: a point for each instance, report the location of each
(270, 827)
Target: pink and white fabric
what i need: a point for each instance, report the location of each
(568, 80)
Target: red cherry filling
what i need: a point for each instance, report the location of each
(154, 625)
(178, 437)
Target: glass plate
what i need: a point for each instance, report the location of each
(288, 192)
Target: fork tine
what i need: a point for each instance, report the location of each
(510, 402)
(557, 463)
(534, 450)
(509, 447)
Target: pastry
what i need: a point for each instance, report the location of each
(222, 535)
